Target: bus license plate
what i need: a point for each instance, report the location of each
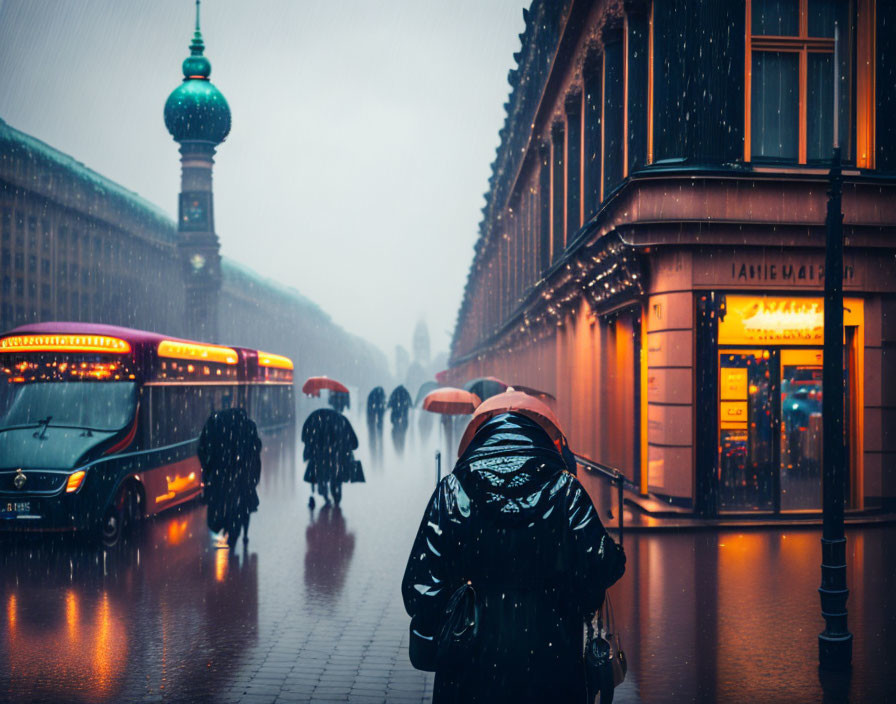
(14, 509)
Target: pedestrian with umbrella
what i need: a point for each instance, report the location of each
(485, 387)
(509, 561)
(330, 442)
(451, 404)
(230, 457)
(376, 407)
(399, 405)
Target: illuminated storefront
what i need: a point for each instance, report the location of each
(769, 395)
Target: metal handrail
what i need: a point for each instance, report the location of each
(615, 477)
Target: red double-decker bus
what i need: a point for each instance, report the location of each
(99, 425)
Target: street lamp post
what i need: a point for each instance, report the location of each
(835, 642)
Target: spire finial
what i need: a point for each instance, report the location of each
(197, 46)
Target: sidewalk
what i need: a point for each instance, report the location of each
(649, 513)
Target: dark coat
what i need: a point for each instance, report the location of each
(376, 405)
(515, 523)
(230, 455)
(399, 404)
(330, 442)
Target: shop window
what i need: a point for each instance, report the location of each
(790, 79)
(614, 113)
(558, 189)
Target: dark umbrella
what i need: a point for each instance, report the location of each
(376, 400)
(425, 388)
(486, 387)
(399, 403)
(326, 426)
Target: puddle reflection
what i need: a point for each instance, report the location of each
(329, 547)
(163, 613)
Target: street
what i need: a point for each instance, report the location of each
(312, 611)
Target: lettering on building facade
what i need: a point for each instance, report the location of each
(807, 273)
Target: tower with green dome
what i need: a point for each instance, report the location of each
(198, 118)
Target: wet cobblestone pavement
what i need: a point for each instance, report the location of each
(312, 611)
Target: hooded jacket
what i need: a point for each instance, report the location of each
(516, 524)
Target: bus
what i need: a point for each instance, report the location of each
(99, 425)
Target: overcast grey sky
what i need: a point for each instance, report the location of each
(361, 142)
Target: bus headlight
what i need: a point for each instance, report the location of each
(74, 481)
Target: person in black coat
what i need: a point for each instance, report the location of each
(376, 407)
(330, 442)
(513, 522)
(230, 456)
(399, 405)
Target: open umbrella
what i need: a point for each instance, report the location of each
(424, 389)
(451, 401)
(485, 387)
(537, 393)
(313, 385)
(506, 402)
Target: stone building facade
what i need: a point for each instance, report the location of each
(76, 246)
(652, 245)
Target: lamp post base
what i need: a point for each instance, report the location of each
(835, 652)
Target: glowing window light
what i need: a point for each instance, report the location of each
(276, 361)
(195, 351)
(64, 343)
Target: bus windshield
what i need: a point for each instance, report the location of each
(90, 405)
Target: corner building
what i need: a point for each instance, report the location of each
(652, 245)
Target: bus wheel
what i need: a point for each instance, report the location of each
(121, 516)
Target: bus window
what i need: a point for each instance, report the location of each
(100, 406)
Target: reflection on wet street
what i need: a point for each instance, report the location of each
(312, 609)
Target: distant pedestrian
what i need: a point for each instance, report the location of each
(399, 405)
(230, 456)
(515, 533)
(376, 408)
(339, 401)
(330, 442)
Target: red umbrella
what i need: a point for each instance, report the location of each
(519, 402)
(450, 401)
(314, 384)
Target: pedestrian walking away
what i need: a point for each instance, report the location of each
(509, 562)
(230, 456)
(330, 442)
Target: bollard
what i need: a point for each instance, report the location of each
(438, 466)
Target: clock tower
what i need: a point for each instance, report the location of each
(198, 118)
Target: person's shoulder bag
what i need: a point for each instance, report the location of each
(605, 663)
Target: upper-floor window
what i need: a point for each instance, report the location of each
(789, 104)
